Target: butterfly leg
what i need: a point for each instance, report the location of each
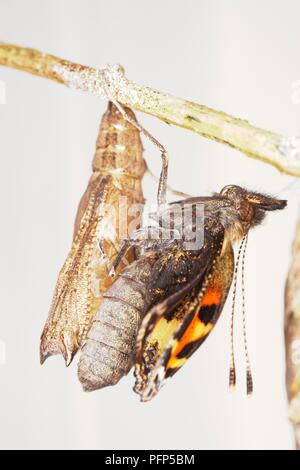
(163, 178)
(144, 239)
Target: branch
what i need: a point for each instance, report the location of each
(281, 152)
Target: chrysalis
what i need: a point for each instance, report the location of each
(118, 168)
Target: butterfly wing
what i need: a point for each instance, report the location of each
(174, 329)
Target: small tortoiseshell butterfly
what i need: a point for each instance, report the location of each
(163, 306)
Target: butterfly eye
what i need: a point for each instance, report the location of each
(246, 211)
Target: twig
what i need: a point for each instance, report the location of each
(254, 142)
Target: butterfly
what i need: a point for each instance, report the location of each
(163, 306)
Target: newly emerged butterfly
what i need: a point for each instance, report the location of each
(195, 309)
(171, 297)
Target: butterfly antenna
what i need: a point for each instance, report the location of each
(232, 369)
(249, 379)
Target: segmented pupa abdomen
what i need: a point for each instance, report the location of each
(108, 352)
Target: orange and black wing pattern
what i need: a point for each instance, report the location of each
(174, 329)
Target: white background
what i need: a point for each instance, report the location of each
(238, 56)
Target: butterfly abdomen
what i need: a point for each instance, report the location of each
(108, 352)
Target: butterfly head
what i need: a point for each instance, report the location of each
(248, 208)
